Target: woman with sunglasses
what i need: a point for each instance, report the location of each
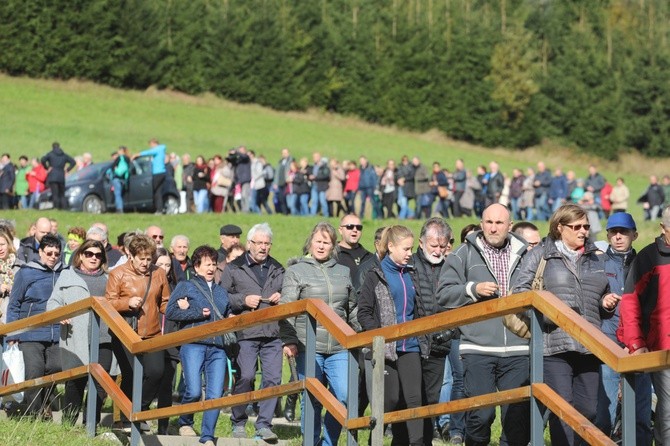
(87, 277)
(574, 272)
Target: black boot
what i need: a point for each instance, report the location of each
(289, 407)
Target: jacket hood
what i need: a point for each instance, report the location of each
(41, 267)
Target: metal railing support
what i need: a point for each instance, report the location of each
(536, 376)
(92, 395)
(310, 372)
(352, 394)
(628, 408)
(138, 375)
(377, 400)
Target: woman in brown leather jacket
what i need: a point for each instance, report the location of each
(139, 291)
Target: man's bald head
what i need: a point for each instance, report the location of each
(42, 228)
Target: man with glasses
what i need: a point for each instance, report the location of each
(254, 281)
(156, 233)
(350, 253)
(485, 267)
(33, 285)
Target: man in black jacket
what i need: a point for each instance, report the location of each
(350, 253)
(57, 163)
(254, 281)
(7, 180)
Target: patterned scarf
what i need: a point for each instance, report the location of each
(6, 272)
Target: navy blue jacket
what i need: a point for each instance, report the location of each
(56, 160)
(33, 285)
(7, 178)
(368, 179)
(192, 316)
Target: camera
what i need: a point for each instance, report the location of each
(443, 337)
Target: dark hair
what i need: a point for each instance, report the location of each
(23, 157)
(468, 229)
(522, 226)
(203, 252)
(172, 275)
(120, 239)
(76, 258)
(378, 233)
(50, 241)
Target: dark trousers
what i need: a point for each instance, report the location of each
(58, 195)
(157, 185)
(388, 201)
(282, 206)
(74, 389)
(432, 374)
(165, 390)
(269, 350)
(484, 374)
(6, 201)
(456, 203)
(575, 377)
(153, 364)
(403, 389)
(40, 359)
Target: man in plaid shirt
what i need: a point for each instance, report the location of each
(484, 267)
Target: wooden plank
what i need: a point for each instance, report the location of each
(112, 388)
(578, 422)
(116, 323)
(48, 317)
(447, 319)
(217, 403)
(649, 362)
(45, 381)
(327, 399)
(583, 331)
(325, 316)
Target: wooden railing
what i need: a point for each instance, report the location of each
(543, 303)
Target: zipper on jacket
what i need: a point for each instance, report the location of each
(404, 309)
(330, 304)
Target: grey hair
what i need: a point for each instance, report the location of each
(97, 231)
(178, 237)
(260, 228)
(436, 226)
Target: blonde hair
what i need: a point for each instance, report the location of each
(320, 227)
(393, 234)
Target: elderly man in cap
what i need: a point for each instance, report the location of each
(619, 255)
(229, 235)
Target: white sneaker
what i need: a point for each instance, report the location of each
(187, 431)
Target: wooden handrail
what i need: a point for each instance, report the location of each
(112, 389)
(43, 381)
(570, 415)
(327, 399)
(47, 318)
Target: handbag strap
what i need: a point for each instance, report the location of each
(538, 280)
(209, 298)
(146, 293)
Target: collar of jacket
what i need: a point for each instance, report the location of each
(518, 245)
(550, 249)
(242, 261)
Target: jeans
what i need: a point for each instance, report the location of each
(332, 370)
(350, 200)
(452, 390)
(201, 200)
(661, 380)
(318, 201)
(366, 193)
(608, 393)
(23, 202)
(304, 204)
(117, 184)
(515, 204)
(542, 211)
(291, 203)
(253, 202)
(197, 359)
(403, 205)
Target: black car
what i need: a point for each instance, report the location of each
(90, 190)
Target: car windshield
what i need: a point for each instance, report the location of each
(89, 172)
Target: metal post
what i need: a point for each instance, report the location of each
(310, 372)
(628, 408)
(138, 374)
(377, 400)
(94, 347)
(352, 395)
(536, 376)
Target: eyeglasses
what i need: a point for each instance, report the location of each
(579, 227)
(352, 227)
(266, 244)
(89, 254)
(157, 237)
(52, 253)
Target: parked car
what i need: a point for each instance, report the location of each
(90, 190)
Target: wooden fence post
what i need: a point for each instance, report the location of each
(94, 348)
(352, 394)
(536, 376)
(310, 372)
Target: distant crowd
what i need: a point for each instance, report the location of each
(243, 181)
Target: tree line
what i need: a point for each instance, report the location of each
(588, 73)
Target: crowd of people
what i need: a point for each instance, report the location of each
(243, 181)
(160, 289)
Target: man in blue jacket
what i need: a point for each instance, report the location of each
(157, 151)
(33, 285)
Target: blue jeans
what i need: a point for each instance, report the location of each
(196, 359)
(366, 193)
(291, 202)
(608, 393)
(253, 202)
(201, 200)
(318, 199)
(403, 205)
(304, 204)
(542, 211)
(117, 184)
(516, 208)
(331, 370)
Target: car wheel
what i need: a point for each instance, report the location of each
(93, 205)
(171, 206)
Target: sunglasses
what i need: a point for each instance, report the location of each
(89, 254)
(352, 227)
(579, 227)
(52, 253)
(158, 237)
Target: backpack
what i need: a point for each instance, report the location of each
(268, 172)
(121, 170)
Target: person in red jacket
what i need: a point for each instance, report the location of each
(351, 185)
(644, 325)
(36, 178)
